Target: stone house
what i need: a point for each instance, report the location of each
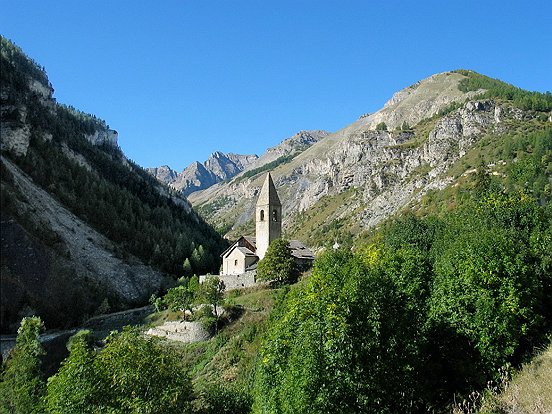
(239, 261)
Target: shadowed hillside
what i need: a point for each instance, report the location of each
(81, 224)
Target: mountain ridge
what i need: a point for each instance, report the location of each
(197, 176)
(220, 167)
(383, 161)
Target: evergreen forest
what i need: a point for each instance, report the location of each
(116, 196)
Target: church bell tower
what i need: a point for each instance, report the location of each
(268, 217)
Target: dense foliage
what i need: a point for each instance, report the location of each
(278, 264)
(22, 385)
(432, 307)
(532, 168)
(131, 374)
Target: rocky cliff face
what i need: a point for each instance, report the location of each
(290, 146)
(104, 136)
(15, 133)
(381, 171)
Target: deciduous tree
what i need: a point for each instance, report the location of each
(22, 386)
(278, 264)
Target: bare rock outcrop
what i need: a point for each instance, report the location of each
(181, 331)
(165, 174)
(104, 136)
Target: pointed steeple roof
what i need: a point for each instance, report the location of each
(268, 194)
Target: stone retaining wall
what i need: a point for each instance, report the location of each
(180, 331)
(242, 280)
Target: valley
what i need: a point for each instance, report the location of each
(430, 220)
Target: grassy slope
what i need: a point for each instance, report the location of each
(229, 357)
(530, 390)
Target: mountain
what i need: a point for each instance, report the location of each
(218, 167)
(353, 179)
(83, 228)
(289, 147)
(222, 167)
(164, 173)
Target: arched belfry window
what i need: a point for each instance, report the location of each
(262, 215)
(274, 215)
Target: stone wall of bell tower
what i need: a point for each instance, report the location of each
(268, 217)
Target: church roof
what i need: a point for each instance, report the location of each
(247, 242)
(245, 251)
(268, 194)
(251, 240)
(298, 249)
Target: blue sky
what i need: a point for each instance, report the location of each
(182, 79)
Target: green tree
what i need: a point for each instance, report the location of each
(278, 264)
(74, 389)
(187, 267)
(487, 288)
(193, 284)
(344, 342)
(180, 298)
(22, 386)
(212, 292)
(382, 126)
(197, 259)
(139, 375)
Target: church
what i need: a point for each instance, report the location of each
(239, 261)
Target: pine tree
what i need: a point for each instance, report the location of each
(187, 267)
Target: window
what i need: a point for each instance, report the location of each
(262, 215)
(236, 262)
(274, 215)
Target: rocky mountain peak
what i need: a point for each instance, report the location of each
(165, 174)
(418, 101)
(218, 167)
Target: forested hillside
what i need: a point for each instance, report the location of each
(74, 158)
(430, 308)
